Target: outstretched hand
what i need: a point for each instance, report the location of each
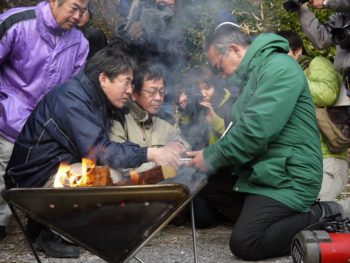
(197, 160)
(164, 156)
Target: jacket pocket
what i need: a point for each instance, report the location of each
(270, 172)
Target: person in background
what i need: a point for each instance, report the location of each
(152, 29)
(334, 32)
(203, 107)
(39, 49)
(274, 128)
(141, 124)
(335, 5)
(324, 83)
(204, 111)
(73, 121)
(96, 37)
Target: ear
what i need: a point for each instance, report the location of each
(298, 53)
(102, 79)
(133, 97)
(238, 50)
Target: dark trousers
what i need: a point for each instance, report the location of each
(263, 227)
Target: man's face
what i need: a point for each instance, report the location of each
(226, 63)
(69, 12)
(117, 90)
(151, 96)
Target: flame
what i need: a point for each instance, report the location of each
(134, 176)
(72, 176)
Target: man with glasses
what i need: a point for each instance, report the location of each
(39, 49)
(72, 122)
(141, 124)
(272, 147)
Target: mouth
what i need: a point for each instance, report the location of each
(156, 107)
(124, 100)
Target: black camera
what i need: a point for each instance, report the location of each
(341, 36)
(293, 5)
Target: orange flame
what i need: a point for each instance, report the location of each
(134, 176)
(72, 176)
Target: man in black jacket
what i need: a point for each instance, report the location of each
(72, 122)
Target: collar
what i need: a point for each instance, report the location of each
(48, 21)
(142, 117)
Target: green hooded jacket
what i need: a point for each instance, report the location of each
(273, 143)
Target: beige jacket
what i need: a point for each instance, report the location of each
(145, 130)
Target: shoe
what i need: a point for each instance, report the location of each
(2, 232)
(54, 246)
(323, 212)
(330, 210)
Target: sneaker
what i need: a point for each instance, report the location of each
(324, 211)
(2, 232)
(54, 246)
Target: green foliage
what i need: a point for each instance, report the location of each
(255, 16)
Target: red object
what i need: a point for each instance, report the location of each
(337, 250)
(321, 247)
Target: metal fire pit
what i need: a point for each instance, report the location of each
(112, 222)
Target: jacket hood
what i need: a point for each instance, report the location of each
(44, 13)
(262, 47)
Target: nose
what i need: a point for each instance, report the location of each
(157, 96)
(129, 90)
(77, 15)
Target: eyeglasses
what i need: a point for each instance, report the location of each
(154, 91)
(127, 83)
(218, 68)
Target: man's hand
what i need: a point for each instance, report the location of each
(136, 31)
(176, 145)
(318, 4)
(198, 160)
(164, 156)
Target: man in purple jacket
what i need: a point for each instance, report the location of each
(39, 49)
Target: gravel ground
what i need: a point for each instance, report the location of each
(171, 245)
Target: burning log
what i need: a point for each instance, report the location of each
(151, 176)
(86, 174)
(82, 175)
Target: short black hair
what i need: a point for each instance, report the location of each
(148, 70)
(294, 40)
(110, 61)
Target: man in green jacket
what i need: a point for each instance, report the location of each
(272, 147)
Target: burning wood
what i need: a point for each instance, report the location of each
(151, 176)
(86, 174)
(82, 174)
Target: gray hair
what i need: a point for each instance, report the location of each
(226, 35)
